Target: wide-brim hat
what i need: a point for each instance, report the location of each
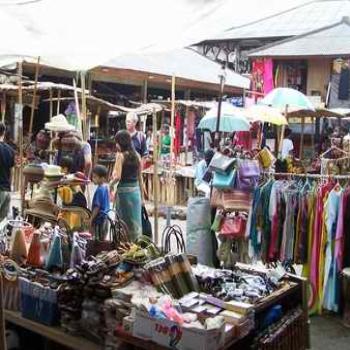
(53, 171)
(59, 123)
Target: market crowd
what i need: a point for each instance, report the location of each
(122, 186)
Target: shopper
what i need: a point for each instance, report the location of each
(287, 145)
(165, 141)
(138, 138)
(100, 203)
(7, 161)
(127, 173)
(202, 168)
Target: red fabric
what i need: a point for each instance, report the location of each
(177, 141)
(243, 139)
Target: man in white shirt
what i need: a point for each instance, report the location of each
(287, 145)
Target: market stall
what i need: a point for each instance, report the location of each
(137, 295)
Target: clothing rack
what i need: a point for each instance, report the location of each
(311, 176)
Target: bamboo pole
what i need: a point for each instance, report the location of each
(37, 67)
(172, 136)
(3, 107)
(58, 102)
(155, 177)
(313, 135)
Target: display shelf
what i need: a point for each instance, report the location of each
(54, 334)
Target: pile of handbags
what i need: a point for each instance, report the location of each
(234, 181)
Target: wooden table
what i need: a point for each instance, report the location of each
(54, 334)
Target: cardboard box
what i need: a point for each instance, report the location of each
(172, 335)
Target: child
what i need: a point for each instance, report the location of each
(79, 199)
(100, 203)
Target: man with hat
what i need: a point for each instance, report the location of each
(7, 161)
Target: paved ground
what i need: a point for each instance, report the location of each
(328, 333)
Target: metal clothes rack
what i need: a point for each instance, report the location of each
(311, 176)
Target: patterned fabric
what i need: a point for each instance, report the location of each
(128, 204)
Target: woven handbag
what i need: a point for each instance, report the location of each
(237, 200)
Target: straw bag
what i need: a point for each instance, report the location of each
(266, 158)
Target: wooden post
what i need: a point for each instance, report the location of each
(20, 135)
(282, 133)
(3, 107)
(155, 177)
(301, 146)
(76, 99)
(58, 102)
(172, 122)
(83, 107)
(144, 91)
(187, 97)
(51, 104)
(37, 67)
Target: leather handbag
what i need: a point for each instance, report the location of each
(237, 200)
(234, 227)
(146, 224)
(224, 181)
(220, 163)
(248, 174)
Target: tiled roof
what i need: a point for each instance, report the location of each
(332, 40)
(295, 21)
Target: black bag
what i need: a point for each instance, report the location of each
(146, 224)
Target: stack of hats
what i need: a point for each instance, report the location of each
(53, 174)
(42, 205)
(34, 173)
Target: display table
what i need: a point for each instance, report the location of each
(54, 334)
(184, 185)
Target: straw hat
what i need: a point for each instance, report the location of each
(59, 123)
(53, 171)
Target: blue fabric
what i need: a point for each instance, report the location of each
(101, 201)
(224, 181)
(201, 168)
(129, 204)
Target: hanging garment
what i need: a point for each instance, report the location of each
(344, 84)
(317, 255)
(263, 220)
(255, 231)
(346, 212)
(331, 219)
(289, 228)
(268, 75)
